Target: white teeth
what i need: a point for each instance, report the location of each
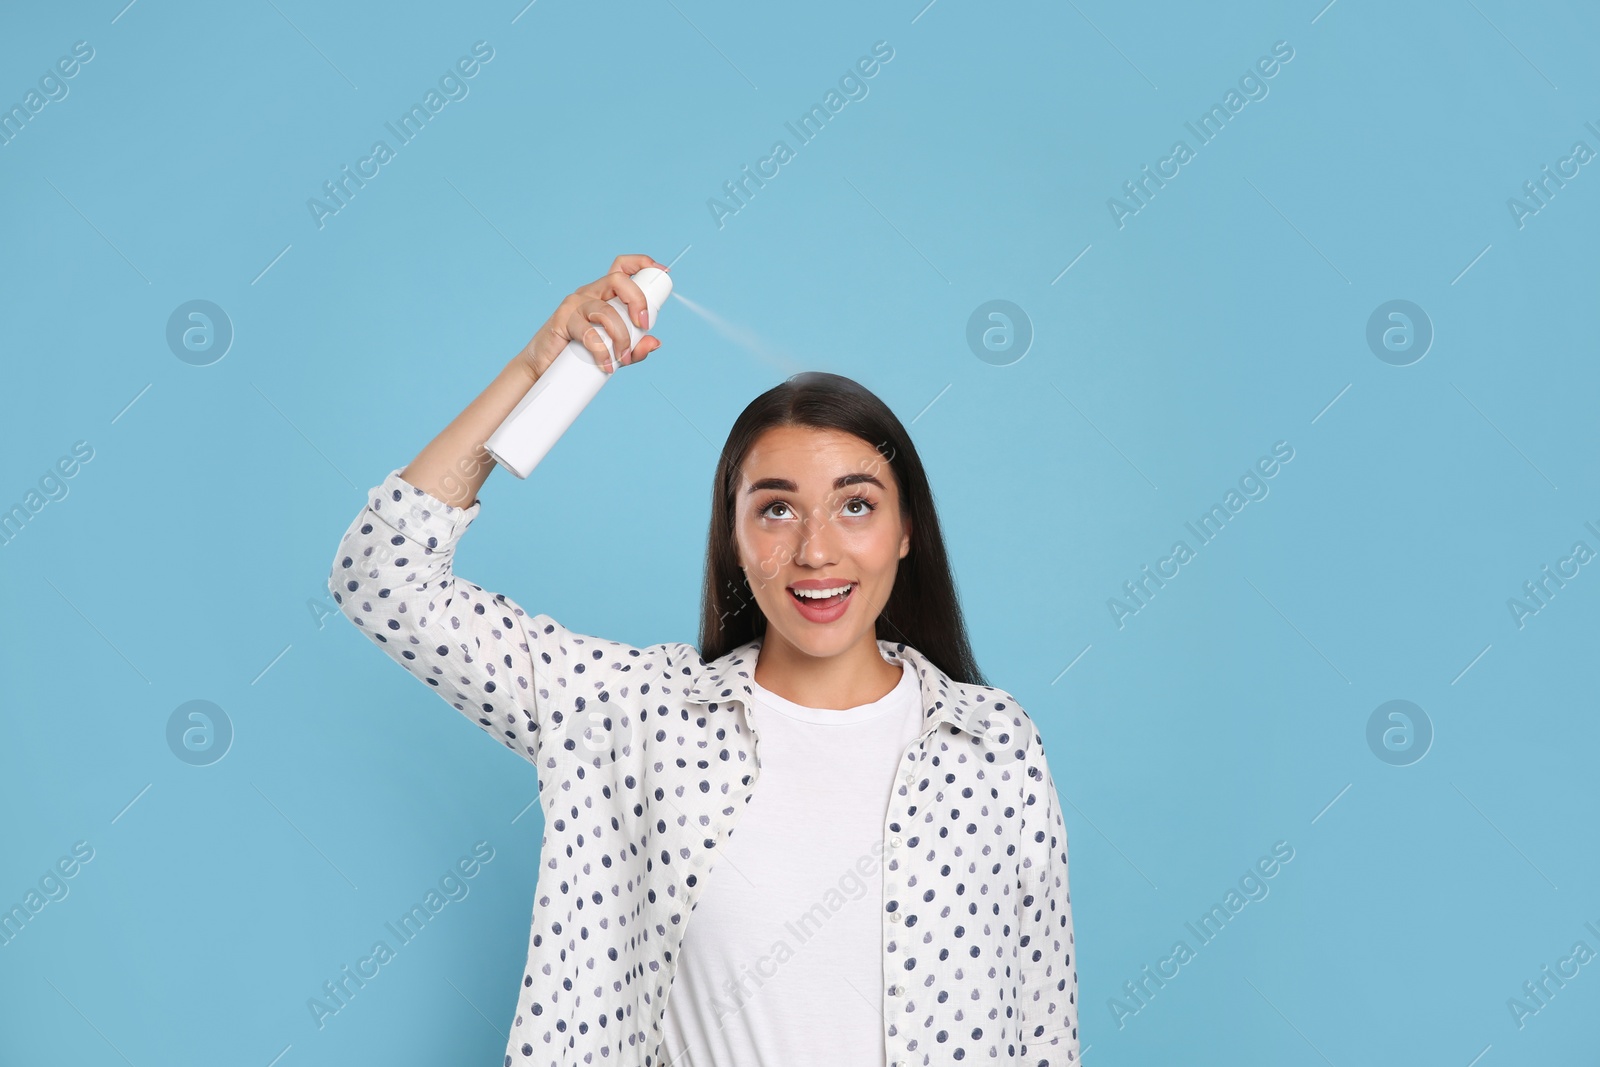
(819, 594)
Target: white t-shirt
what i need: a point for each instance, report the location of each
(782, 959)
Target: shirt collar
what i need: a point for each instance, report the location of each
(944, 700)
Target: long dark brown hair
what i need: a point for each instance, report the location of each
(923, 609)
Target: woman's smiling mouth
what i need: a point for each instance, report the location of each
(821, 599)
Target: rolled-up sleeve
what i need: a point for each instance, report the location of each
(1048, 1001)
(503, 669)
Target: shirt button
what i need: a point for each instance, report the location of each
(894, 916)
(909, 777)
(894, 842)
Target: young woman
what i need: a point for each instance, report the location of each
(821, 832)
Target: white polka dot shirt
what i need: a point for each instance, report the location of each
(645, 761)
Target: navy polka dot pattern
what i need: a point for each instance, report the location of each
(645, 761)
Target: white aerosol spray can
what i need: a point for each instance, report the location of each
(566, 387)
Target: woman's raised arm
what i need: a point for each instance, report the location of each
(517, 676)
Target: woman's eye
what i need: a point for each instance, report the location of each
(866, 506)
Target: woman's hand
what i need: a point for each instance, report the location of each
(582, 315)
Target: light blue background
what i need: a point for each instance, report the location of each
(189, 558)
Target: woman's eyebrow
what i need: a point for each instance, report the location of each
(790, 487)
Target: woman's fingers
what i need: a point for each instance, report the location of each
(647, 344)
(619, 282)
(585, 313)
(633, 297)
(596, 315)
(620, 285)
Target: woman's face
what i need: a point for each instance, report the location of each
(820, 508)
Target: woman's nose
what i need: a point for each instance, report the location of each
(817, 544)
